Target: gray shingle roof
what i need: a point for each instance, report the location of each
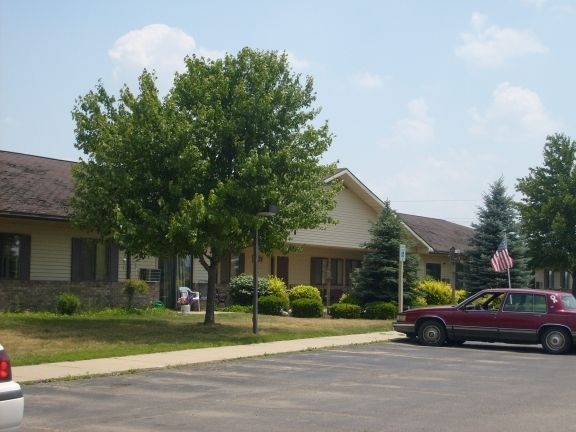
(439, 234)
(34, 187)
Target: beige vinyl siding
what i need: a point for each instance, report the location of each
(299, 263)
(51, 244)
(354, 221)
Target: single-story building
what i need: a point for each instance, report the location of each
(42, 254)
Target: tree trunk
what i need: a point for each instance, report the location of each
(212, 269)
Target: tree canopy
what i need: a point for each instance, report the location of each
(497, 220)
(548, 207)
(188, 174)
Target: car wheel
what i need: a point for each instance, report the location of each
(432, 333)
(556, 340)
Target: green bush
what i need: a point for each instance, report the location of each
(437, 292)
(348, 298)
(277, 287)
(272, 305)
(345, 310)
(236, 308)
(241, 289)
(304, 292)
(381, 310)
(133, 286)
(67, 304)
(307, 308)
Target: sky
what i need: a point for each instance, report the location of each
(430, 101)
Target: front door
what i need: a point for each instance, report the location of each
(282, 268)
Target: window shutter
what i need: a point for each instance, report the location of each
(25, 252)
(75, 260)
(113, 257)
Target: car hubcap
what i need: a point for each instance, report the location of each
(432, 334)
(555, 341)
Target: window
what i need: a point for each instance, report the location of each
(525, 303)
(14, 256)
(94, 261)
(549, 279)
(351, 266)
(230, 267)
(434, 270)
(318, 270)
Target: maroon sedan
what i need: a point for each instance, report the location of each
(521, 316)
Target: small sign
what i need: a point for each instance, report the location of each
(402, 252)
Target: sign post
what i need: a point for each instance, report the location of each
(402, 258)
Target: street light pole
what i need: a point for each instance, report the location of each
(271, 211)
(255, 285)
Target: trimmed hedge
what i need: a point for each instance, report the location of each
(271, 305)
(345, 310)
(381, 310)
(307, 308)
(241, 289)
(304, 292)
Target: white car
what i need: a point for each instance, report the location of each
(11, 397)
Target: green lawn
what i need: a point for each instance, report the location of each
(35, 338)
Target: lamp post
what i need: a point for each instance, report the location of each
(454, 255)
(271, 211)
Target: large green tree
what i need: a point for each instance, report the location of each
(377, 278)
(497, 220)
(548, 207)
(189, 173)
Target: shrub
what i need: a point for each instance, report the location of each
(236, 308)
(241, 289)
(133, 286)
(381, 310)
(437, 292)
(307, 308)
(304, 292)
(348, 298)
(345, 310)
(277, 287)
(67, 304)
(271, 305)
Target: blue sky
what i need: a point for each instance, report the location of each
(430, 101)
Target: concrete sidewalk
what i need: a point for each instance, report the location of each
(106, 366)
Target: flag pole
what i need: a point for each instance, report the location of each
(509, 280)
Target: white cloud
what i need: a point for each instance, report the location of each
(492, 46)
(368, 80)
(299, 65)
(514, 115)
(416, 128)
(155, 47)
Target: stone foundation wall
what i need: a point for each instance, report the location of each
(43, 295)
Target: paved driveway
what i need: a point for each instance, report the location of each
(364, 388)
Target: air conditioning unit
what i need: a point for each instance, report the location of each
(150, 275)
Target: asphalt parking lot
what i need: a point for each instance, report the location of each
(395, 386)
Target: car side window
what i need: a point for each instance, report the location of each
(540, 303)
(486, 302)
(521, 302)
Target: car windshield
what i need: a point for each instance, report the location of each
(569, 302)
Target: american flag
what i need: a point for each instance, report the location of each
(501, 260)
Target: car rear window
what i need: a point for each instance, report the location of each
(569, 302)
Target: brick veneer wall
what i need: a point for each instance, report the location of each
(43, 295)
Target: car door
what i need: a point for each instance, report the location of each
(478, 318)
(521, 317)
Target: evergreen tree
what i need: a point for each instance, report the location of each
(377, 277)
(496, 220)
(548, 207)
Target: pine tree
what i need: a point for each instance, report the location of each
(496, 220)
(377, 278)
